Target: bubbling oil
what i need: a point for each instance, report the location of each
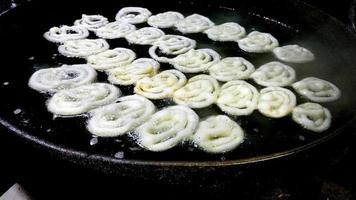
(263, 135)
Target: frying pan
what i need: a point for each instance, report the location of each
(23, 111)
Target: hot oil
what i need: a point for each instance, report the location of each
(263, 135)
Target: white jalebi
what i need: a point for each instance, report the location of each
(65, 33)
(312, 116)
(195, 61)
(274, 74)
(218, 134)
(171, 45)
(276, 102)
(258, 42)
(120, 118)
(232, 68)
(238, 98)
(194, 23)
(82, 99)
(115, 30)
(64, 77)
(133, 15)
(91, 22)
(83, 48)
(165, 20)
(229, 31)
(130, 74)
(293, 54)
(162, 85)
(112, 58)
(199, 92)
(144, 36)
(317, 90)
(167, 128)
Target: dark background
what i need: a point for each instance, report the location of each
(330, 176)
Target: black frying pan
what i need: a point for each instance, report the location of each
(23, 110)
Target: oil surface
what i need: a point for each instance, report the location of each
(27, 108)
